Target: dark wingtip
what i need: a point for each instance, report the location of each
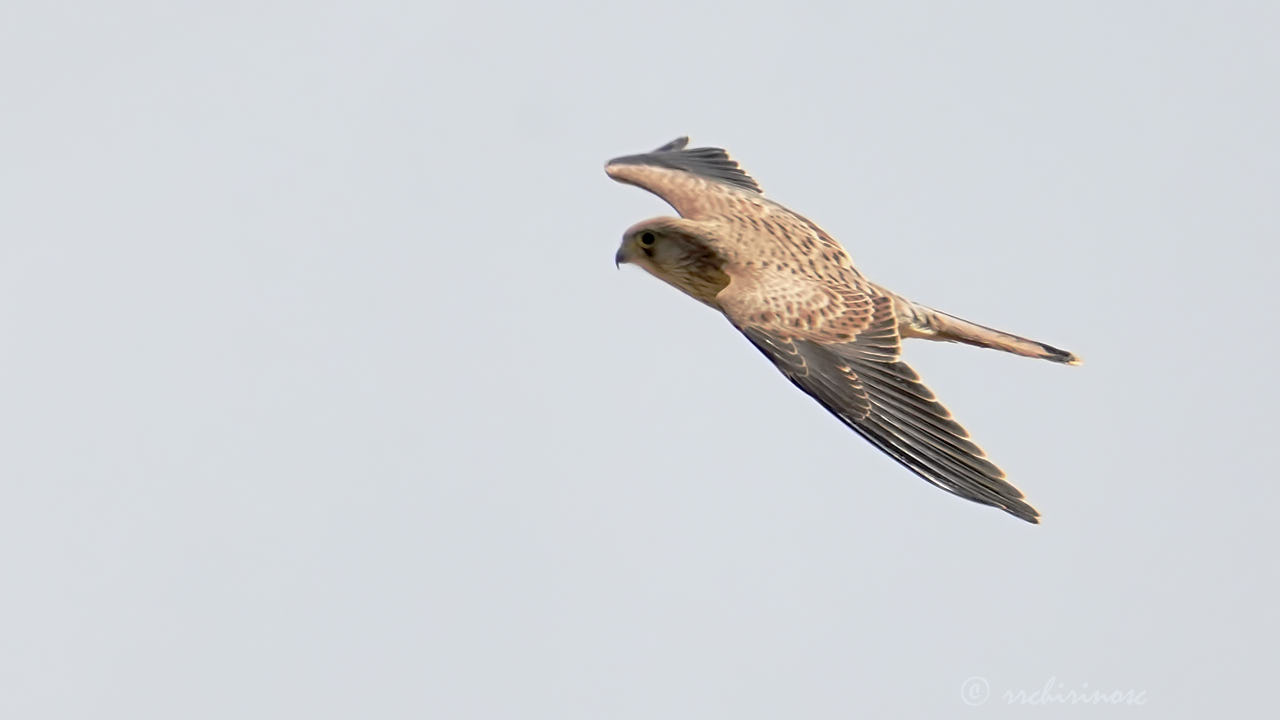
(1014, 502)
(1025, 512)
(711, 163)
(677, 144)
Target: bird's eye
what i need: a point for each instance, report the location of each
(646, 238)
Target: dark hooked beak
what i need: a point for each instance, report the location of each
(619, 258)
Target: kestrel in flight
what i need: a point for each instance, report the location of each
(793, 291)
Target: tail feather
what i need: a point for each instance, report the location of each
(950, 327)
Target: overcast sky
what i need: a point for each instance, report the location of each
(321, 396)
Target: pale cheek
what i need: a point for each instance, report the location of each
(647, 263)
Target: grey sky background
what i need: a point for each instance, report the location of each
(321, 396)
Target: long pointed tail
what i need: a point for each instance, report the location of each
(941, 326)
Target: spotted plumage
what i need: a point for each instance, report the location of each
(793, 291)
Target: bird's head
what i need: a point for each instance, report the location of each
(652, 244)
(676, 251)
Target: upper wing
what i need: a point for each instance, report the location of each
(861, 380)
(689, 179)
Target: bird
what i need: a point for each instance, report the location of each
(794, 292)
